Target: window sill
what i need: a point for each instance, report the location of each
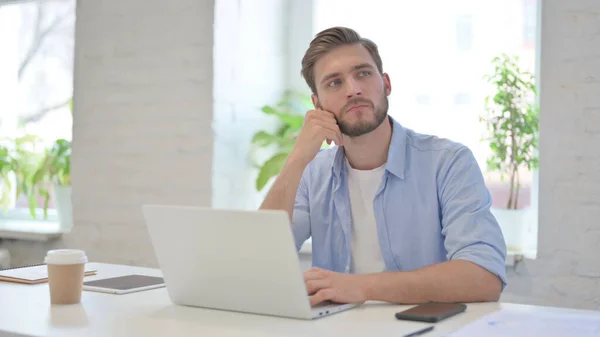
(29, 230)
(512, 258)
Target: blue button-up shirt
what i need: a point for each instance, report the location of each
(432, 206)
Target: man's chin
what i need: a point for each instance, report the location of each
(361, 126)
(357, 129)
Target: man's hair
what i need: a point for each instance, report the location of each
(326, 41)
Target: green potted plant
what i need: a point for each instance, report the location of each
(18, 162)
(512, 122)
(27, 158)
(8, 195)
(55, 168)
(289, 111)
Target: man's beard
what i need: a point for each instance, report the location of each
(361, 127)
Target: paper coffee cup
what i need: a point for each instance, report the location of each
(65, 275)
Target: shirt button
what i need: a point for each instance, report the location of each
(347, 268)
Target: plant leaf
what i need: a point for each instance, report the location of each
(292, 120)
(270, 169)
(263, 138)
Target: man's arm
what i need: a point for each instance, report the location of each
(475, 271)
(290, 191)
(318, 126)
(451, 281)
(282, 195)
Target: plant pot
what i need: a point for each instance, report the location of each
(64, 206)
(515, 225)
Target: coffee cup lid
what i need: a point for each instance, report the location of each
(65, 256)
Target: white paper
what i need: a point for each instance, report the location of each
(531, 323)
(32, 273)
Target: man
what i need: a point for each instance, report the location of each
(394, 215)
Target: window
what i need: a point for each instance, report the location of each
(422, 99)
(422, 50)
(529, 23)
(464, 32)
(462, 98)
(36, 76)
(437, 53)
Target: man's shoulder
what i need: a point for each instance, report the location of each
(436, 153)
(422, 142)
(440, 156)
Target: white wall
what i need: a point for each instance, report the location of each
(300, 30)
(142, 110)
(567, 271)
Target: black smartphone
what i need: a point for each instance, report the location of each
(431, 312)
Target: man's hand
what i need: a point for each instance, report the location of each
(323, 285)
(319, 125)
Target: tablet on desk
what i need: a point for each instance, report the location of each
(124, 284)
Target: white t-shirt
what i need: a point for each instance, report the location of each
(366, 252)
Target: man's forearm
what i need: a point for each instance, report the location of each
(452, 281)
(283, 192)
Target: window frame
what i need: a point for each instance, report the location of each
(24, 213)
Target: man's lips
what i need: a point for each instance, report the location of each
(356, 106)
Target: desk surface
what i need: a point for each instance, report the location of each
(25, 310)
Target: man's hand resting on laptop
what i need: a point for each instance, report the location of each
(324, 285)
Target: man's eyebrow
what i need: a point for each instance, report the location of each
(330, 76)
(362, 66)
(356, 67)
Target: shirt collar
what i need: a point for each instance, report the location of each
(396, 153)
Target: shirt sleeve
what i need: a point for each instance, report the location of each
(470, 229)
(301, 215)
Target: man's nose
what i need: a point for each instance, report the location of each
(353, 89)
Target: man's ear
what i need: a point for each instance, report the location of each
(387, 84)
(315, 101)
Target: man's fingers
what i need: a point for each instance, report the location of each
(314, 274)
(321, 296)
(324, 116)
(326, 125)
(335, 136)
(331, 132)
(313, 286)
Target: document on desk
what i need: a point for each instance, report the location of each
(32, 274)
(512, 322)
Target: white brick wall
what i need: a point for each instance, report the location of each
(567, 272)
(142, 119)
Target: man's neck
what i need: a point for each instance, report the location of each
(369, 151)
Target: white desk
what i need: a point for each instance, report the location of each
(25, 310)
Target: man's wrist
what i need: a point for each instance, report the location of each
(368, 285)
(294, 160)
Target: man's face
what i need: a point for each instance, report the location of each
(350, 86)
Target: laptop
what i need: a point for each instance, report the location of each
(235, 260)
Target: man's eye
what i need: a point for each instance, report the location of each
(364, 73)
(334, 83)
